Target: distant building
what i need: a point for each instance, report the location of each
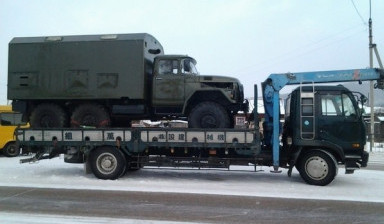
(378, 122)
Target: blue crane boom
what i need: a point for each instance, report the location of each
(275, 82)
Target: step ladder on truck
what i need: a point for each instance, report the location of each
(323, 129)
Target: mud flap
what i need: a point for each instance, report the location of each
(365, 158)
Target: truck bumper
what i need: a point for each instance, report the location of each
(353, 163)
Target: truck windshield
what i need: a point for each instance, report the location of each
(349, 109)
(11, 119)
(189, 67)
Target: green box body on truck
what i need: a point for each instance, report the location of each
(109, 80)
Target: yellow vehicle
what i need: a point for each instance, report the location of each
(9, 122)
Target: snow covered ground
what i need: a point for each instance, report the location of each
(363, 185)
(17, 218)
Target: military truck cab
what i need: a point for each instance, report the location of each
(208, 101)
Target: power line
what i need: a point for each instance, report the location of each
(304, 49)
(358, 13)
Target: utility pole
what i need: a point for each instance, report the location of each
(371, 93)
(372, 47)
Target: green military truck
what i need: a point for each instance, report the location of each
(109, 80)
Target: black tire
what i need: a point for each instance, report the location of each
(209, 115)
(48, 115)
(317, 167)
(107, 163)
(90, 115)
(11, 150)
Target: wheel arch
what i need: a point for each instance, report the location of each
(305, 151)
(92, 149)
(335, 150)
(201, 96)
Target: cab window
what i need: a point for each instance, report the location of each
(329, 106)
(337, 105)
(167, 67)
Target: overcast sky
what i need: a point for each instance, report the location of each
(247, 39)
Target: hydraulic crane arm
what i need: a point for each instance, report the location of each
(275, 82)
(353, 75)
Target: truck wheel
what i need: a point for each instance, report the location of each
(107, 163)
(11, 150)
(317, 168)
(48, 115)
(208, 115)
(90, 115)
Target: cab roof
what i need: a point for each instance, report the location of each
(175, 56)
(77, 38)
(322, 88)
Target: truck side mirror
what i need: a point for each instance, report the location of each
(363, 99)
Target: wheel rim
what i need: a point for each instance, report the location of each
(316, 167)
(106, 163)
(208, 121)
(89, 120)
(12, 150)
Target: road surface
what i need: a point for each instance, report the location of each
(196, 208)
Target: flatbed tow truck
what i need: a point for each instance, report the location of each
(323, 129)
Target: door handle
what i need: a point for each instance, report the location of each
(159, 78)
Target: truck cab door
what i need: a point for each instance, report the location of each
(168, 84)
(338, 120)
